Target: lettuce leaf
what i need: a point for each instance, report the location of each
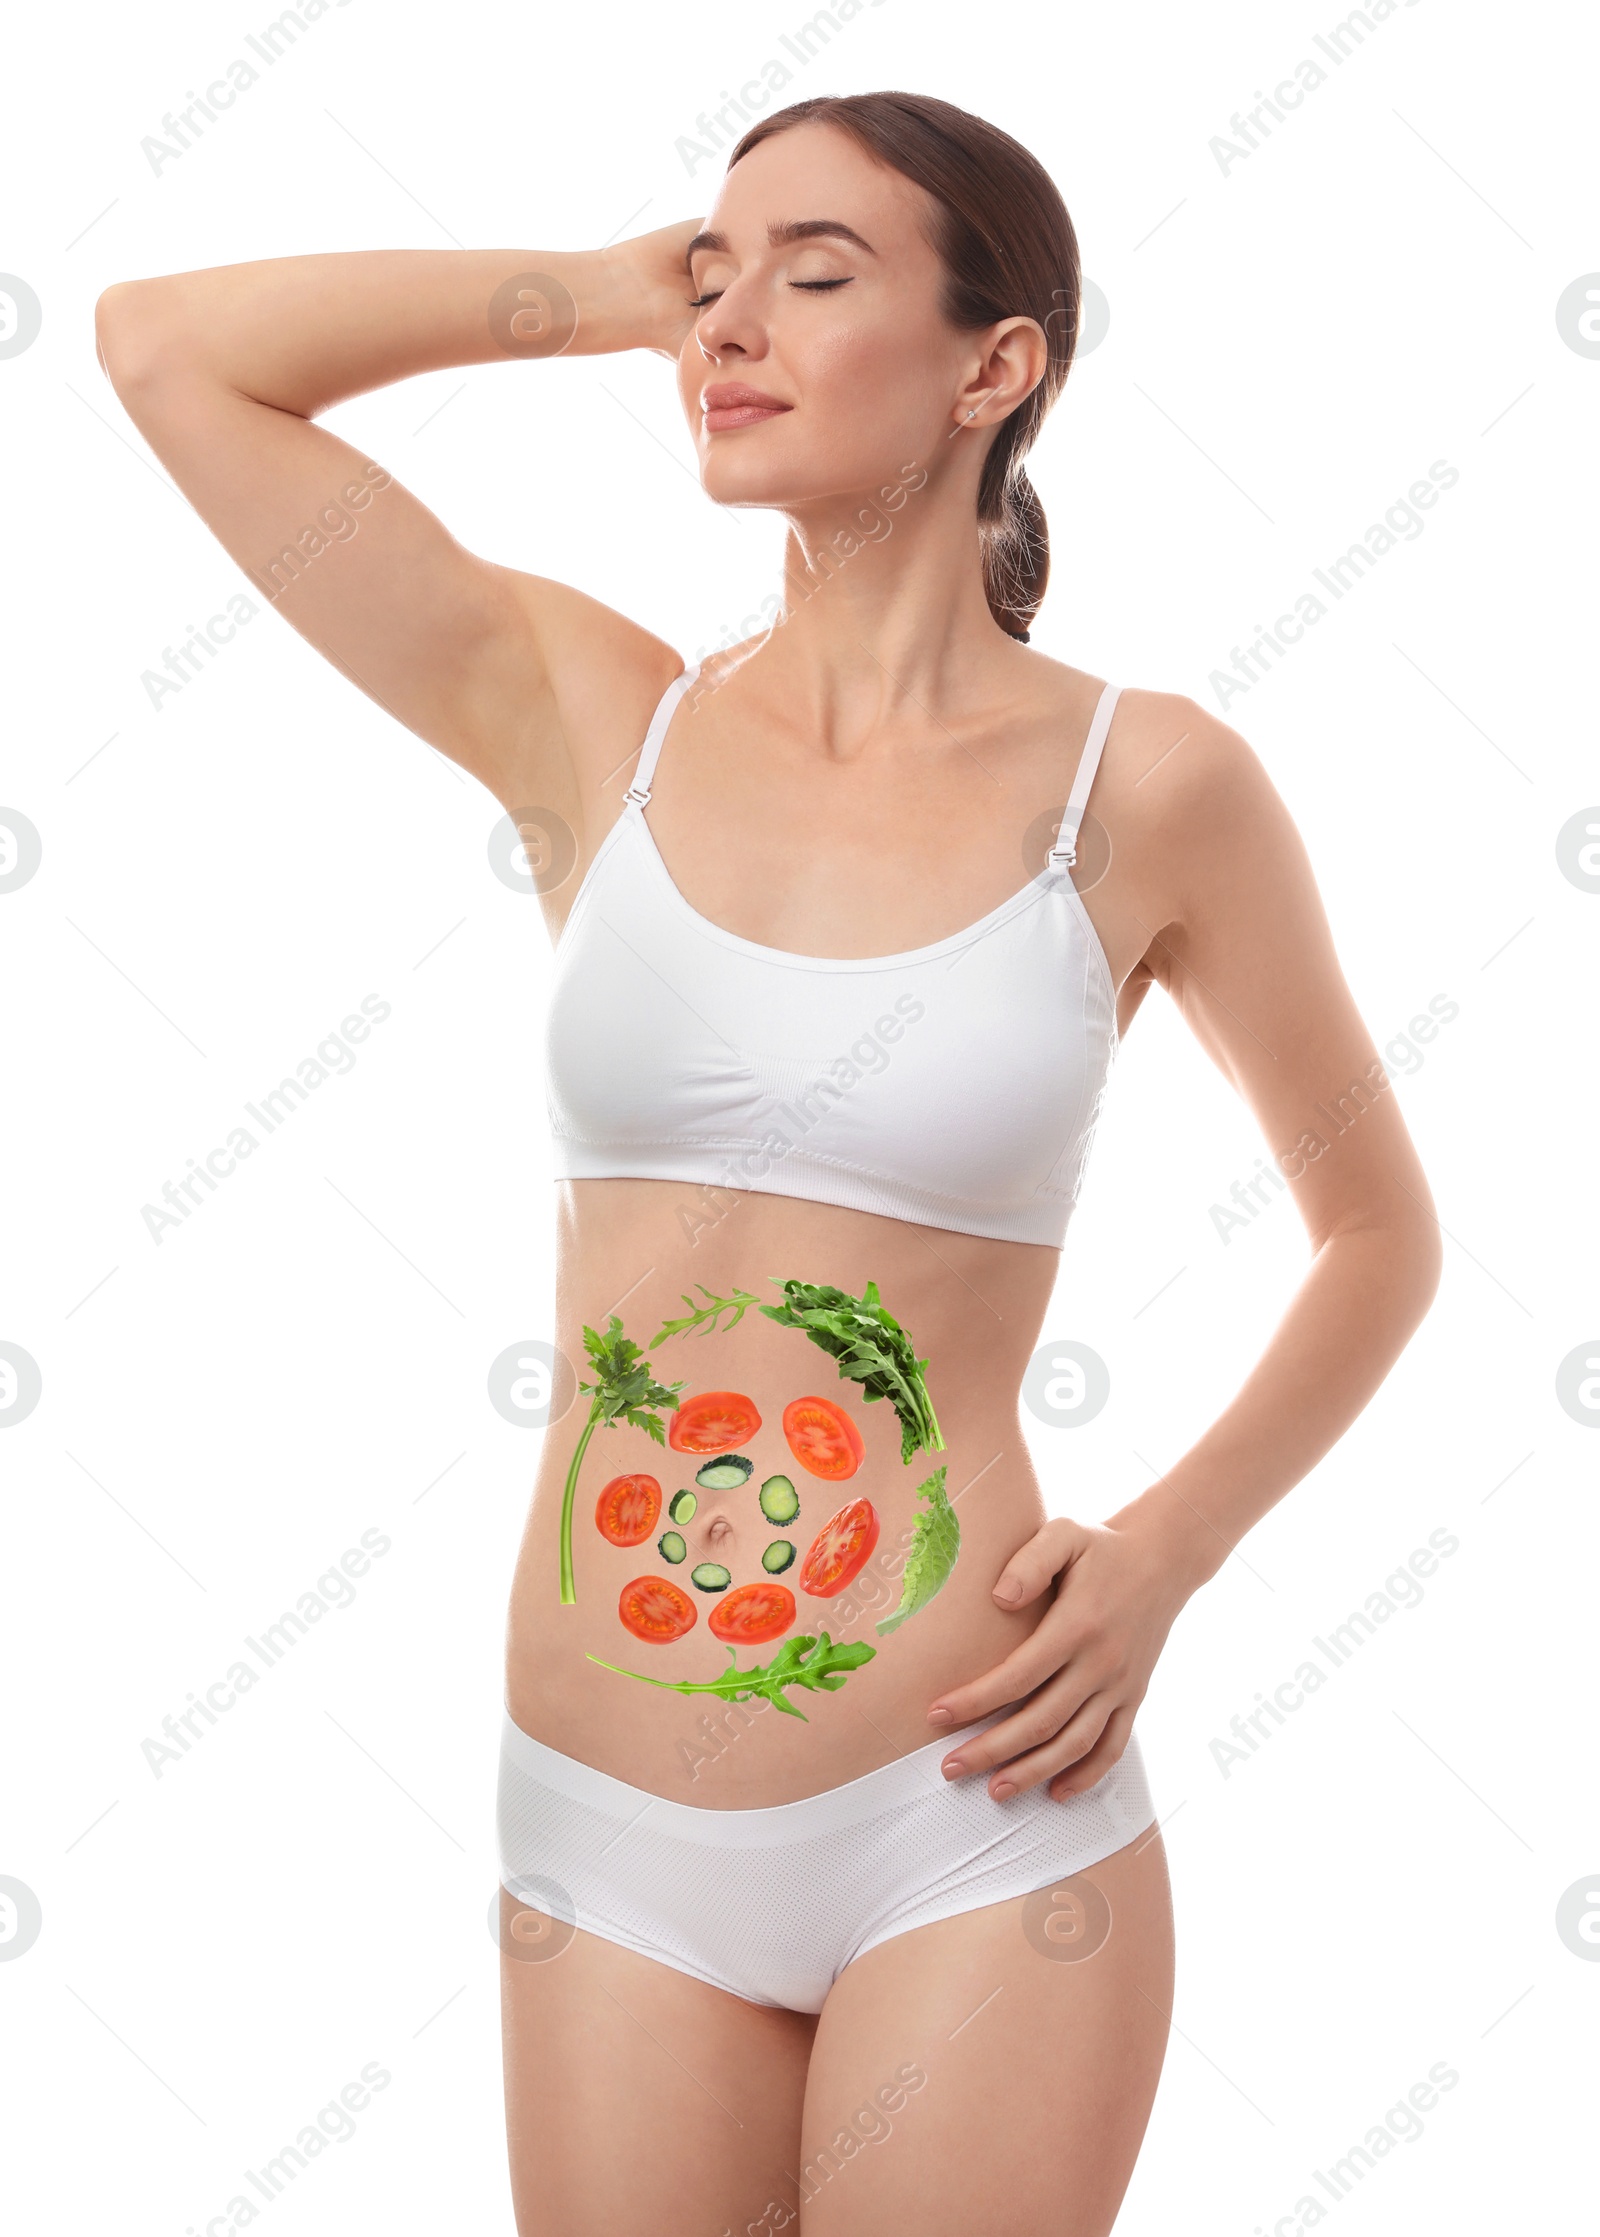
(933, 1553)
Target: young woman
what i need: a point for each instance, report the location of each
(843, 958)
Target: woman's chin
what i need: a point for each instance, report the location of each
(734, 482)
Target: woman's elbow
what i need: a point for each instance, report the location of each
(133, 333)
(1427, 1265)
(1414, 1264)
(1401, 1252)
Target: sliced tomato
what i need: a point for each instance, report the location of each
(823, 1438)
(713, 1421)
(654, 1609)
(839, 1549)
(752, 1614)
(628, 1509)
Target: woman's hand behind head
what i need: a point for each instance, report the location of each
(650, 276)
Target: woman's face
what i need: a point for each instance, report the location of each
(820, 299)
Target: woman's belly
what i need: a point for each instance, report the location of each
(803, 1544)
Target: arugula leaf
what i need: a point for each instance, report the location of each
(871, 1348)
(932, 1556)
(624, 1389)
(793, 1665)
(705, 1316)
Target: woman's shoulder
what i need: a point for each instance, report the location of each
(1174, 783)
(1152, 732)
(1140, 709)
(1198, 829)
(1194, 768)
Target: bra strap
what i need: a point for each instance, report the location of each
(649, 753)
(1064, 853)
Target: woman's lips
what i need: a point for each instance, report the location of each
(727, 406)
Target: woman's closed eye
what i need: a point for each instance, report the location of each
(699, 302)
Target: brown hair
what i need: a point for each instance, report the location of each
(1003, 234)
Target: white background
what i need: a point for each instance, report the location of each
(1291, 344)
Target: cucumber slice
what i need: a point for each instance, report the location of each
(777, 1557)
(779, 1500)
(670, 1546)
(710, 1576)
(726, 1473)
(681, 1506)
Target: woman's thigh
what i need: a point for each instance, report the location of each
(995, 2071)
(639, 2098)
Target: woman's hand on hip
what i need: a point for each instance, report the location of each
(1078, 1679)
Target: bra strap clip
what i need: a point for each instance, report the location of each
(637, 796)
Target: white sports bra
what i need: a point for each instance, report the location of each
(956, 1085)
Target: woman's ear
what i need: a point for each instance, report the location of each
(1018, 357)
(1011, 368)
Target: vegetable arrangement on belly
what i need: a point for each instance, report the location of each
(825, 1443)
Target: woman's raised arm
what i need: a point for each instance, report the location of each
(224, 372)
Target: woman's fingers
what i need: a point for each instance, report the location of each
(1070, 1680)
(1037, 1721)
(1092, 1766)
(1037, 1659)
(1068, 1745)
(1031, 1568)
(1034, 1565)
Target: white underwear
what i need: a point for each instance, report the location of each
(773, 1904)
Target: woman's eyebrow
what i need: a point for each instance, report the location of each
(781, 234)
